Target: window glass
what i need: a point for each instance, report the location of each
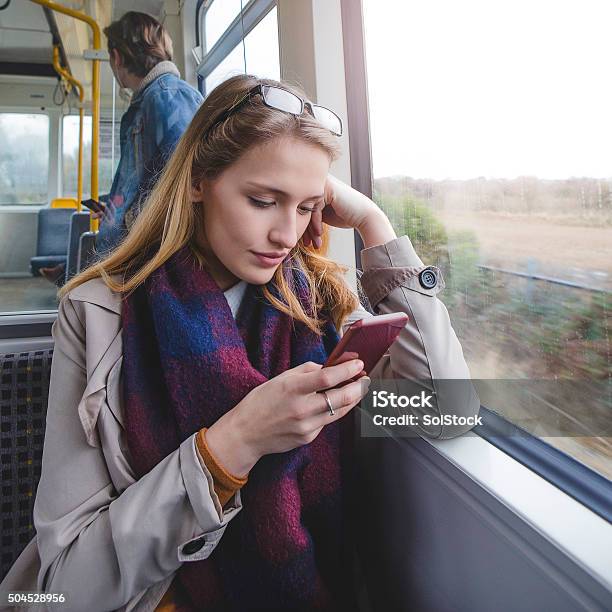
(261, 44)
(232, 64)
(24, 163)
(24, 158)
(107, 164)
(217, 19)
(70, 153)
(493, 158)
(261, 50)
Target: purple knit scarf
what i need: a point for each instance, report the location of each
(187, 361)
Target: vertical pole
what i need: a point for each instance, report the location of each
(113, 133)
(95, 94)
(81, 94)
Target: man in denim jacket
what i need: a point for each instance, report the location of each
(161, 108)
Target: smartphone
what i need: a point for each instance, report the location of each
(368, 339)
(93, 205)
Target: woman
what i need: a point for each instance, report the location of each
(191, 458)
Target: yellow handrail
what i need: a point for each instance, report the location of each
(95, 94)
(66, 75)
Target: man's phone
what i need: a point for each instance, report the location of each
(94, 205)
(368, 339)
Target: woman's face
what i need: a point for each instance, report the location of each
(257, 209)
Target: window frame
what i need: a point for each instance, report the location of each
(37, 110)
(15, 325)
(104, 119)
(577, 480)
(31, 324)
(252, 13)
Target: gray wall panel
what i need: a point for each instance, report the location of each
(442, 542)
(18, 229)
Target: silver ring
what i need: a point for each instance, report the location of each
(329, 404)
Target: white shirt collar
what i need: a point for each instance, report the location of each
(234, 296)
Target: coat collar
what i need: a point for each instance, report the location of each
(96, 292)
(155, 72)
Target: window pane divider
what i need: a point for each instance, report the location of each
(251, 15)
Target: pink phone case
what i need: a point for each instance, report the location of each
(368, 340)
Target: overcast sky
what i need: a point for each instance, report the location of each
(459, 89)
(495, 88)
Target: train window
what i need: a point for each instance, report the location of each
(24, 159)
(261, 46)
(70, 151)
(24, 177)
(255, 44)
(233, 63)
(493, 158)
(109, 158)
(260, 51)
(217, 18)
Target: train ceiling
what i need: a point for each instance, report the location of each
(27, 33)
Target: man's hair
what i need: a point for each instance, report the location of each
(141, 40)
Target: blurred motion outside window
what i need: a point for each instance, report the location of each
(24, 174)
(24, 159)
(490, 129)
(257, 53)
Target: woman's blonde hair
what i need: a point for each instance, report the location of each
(170, 220)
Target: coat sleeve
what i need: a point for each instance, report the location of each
(427, 350)
(96, 544)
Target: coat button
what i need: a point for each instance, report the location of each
(428, 278)
(192, 547)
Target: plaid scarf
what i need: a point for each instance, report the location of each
(187, 361)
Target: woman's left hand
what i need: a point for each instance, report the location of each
(346, 207)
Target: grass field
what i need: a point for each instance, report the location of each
(502, 340)
(560, 247)
(512, 327)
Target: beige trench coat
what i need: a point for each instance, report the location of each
(111, 542)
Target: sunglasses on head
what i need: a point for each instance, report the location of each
(288, 102)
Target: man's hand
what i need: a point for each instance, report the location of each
(104, 211)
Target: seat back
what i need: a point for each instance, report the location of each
(64, 203)
(53, 231)
(79, 224)
(24, 394)
(87, 251)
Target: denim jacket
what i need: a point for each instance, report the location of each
(158, 115)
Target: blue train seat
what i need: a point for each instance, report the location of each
(52, 239)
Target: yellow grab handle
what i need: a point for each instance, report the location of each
(95, 94)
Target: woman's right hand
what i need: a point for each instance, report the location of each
(283, 413)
